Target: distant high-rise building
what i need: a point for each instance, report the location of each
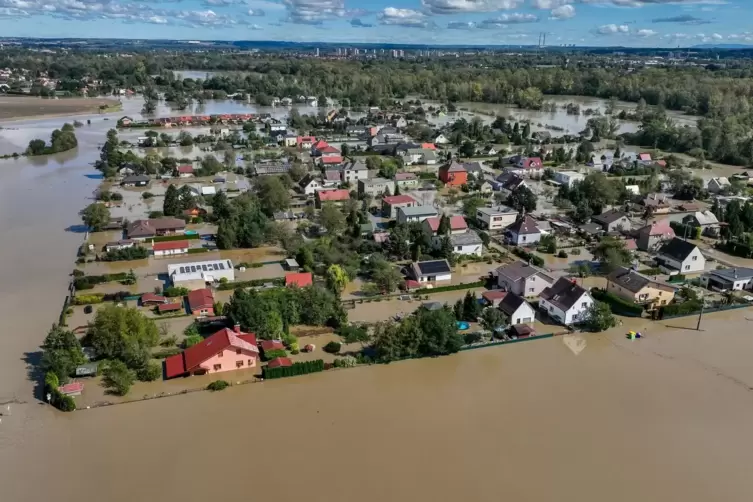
(317, 52)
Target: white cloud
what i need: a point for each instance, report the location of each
(157, 20)
(408, 18)
(255, 12)
(463, 6)
(506, 19)
(645, 33)
(563, 12)
(314, 11)
(549, 4)
(612, 29)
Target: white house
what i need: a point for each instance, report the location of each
(468, 243)
(729, 279)
(170, 248)
(524, 232)
(717, 185)
(310, 185)
(517, 309)
(197, 274)
(353, 172)
(496, 218)
(441, 140)
(682, 256)
(203, 190)
(565, 301)
(431, 271)
(415, 213)
(568, 177)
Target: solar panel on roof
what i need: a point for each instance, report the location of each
(216, 267)
(204, 268)
(193, 268)
(182, 270)
(222, 266)
(434, 267)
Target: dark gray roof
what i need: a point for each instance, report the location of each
(355, 166)
(563, 294)
(520, 270)
(468, 238)
(609, 217)
(733, 274)
(524, 226)
(510, 303)
(591, 228)
(677, 249)
(433, 267)
(629, 279)
(473, 167)
(136, 178)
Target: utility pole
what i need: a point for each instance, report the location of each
(700, 315)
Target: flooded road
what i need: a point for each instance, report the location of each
(581, 418)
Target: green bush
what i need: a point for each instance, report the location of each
(65, 403)
(198, 250)
(332, 347)
(271, 354)
(165, 353)
(89, 281)
(296, 369)
(173, 292)
(618, 305)
(679, 309)
(471, 338)
(218, 385)
(181, 237)
(562, 254)
(345, 362)
(456, 287)
(134, 253)
(149, 373)
(147, 195)
(526, 256)
(118, 378)
(192, 340)
(276, 281)
(88, 299)
(651, 271)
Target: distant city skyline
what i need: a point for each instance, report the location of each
(630, 23)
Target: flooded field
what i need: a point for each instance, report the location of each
(15, 107)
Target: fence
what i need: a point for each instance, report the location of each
(709, 310)
(506, 342)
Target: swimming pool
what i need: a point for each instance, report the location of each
(462, 325)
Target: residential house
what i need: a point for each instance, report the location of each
(144, 229)
(644, 158)
(517, 309)
(566, 302)
(201, 302)
(523, 279)
(310, 184)
(415, 213)
(524, 232)
(718, 185)
(152, 299)
(376, 186)
(201, 190)
(474, 169)
(467, 243)
(453, 174)
(170, 248)
(613, 221)
(225, 350)
(337, 197)
(457, 225)
(494, 297)
(305, 142)
(526, 166)
(567, 178)
(632, 286)
(291, 140)
(353, 172)
(706, 220)
(197, 275)
(356, 130)
(729, 279)
(541, 136)
(136, 180)
(509, 182)
(391, 203)
(657, 203)
(488, 151)
(329, 155)
(682, 256)
(406, 180)
(441, 140)
(118, 245)
(433, 271)
(419, 156)
(496, 218)
(485, 187)
(651, 237)
(331, 178)
(184, 171)
(299, 279)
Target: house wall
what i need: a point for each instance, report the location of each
(407, 183)
(453, 179)
(209, 311)
(524, 240)
(695, 262)
(523, 315)
(311, 188)
(708, 281)
(574, 314)
(533, 286)
(375, 189)
(438, 278)
(496, 222)
(171, 252)
(517, 287)
(622, 223)
(402, 218)
(473, 249)
(652, 296)
(355, 176)
(390, 210)
(228, 360)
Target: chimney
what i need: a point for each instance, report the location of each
(237, 328)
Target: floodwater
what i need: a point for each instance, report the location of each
(584, 418)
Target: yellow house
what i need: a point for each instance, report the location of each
(637, 288)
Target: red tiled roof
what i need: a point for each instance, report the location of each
(300, 279)
(72, 388)
(267, 345)
(494, 295)
(332, 160)
(398, 199)
(532, 161)
(152, 297)
(279, 362)
(320, 144)
(333, 195)
(631, 245)
(405, 176)
(430, 146)
(185, 169)
(411, 284)
(328, 149)
(200, 298)
(456, 223)
(170, 245)
(169, 307)
(192, 358)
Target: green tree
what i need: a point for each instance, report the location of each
(221, 206)
(273, 196)
(471, 307)
(445, 225)
(61, 353)
(95, 216)
(337, 279)
(599, 317)
(467, 149)
(611, 252)
(171, 205)
(492, 319)
(522, 199)
(118, 378)
(332, 218)
(123, 334)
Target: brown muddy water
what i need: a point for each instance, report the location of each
(581, 418)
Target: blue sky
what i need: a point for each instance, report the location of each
(649, 23)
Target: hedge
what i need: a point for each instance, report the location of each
(735, 248)
(456, 287)
(296, 369)
(272, 354)
(168, 238)
(57, 399)
(618, 305)
(227, 286)
(88, 299)
(197, 250)
(651, 271)
(534, 259)
(678, 309)
(89, 281)
(218, 385)
(682, 229)
(127, 254)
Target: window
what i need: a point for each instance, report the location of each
(219, 354)
(238, 364)
(695, 258)
(204, 268)
(182, 270)
(222, 266)
(687, 267)
(193, 268)
(530, 290)
(237, 351)
(584, 304)
(524, 238)
(250, 362)
(217, 367)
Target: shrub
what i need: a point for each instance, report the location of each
(179, 237)
(88, 299)
(134, 253)
(200, 250)
(223, 280)
(456, 287)
(147, 195)
(302, 368)
(680, 309)
(173, 292)
(345, 362)
(218, 385)
(332, 347)
(65, 403)
(78, 273)
(271, 354)
(169, 341)
(562, 254)
(534, 259)
(651, 271)
(618, 305)
(156, 214)
(164, 354)
(295, 352)
(471, 338)
(118, 378)
(192, 340)
(150, 372)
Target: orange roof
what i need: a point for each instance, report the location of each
(430, 146)
(170, 245)
(300, 279)
(333, 195)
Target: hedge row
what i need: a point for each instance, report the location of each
(684, 308)
(228, 286)
(455, 287)
(534, 259)
(618, 305)
(197, 250)
(294, 370)
(651, 271)
(168, 238)
(682, 229)
(57, 399)
(89, 281)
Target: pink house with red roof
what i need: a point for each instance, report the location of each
(305, 142)
(225, 350)
(651, 237)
